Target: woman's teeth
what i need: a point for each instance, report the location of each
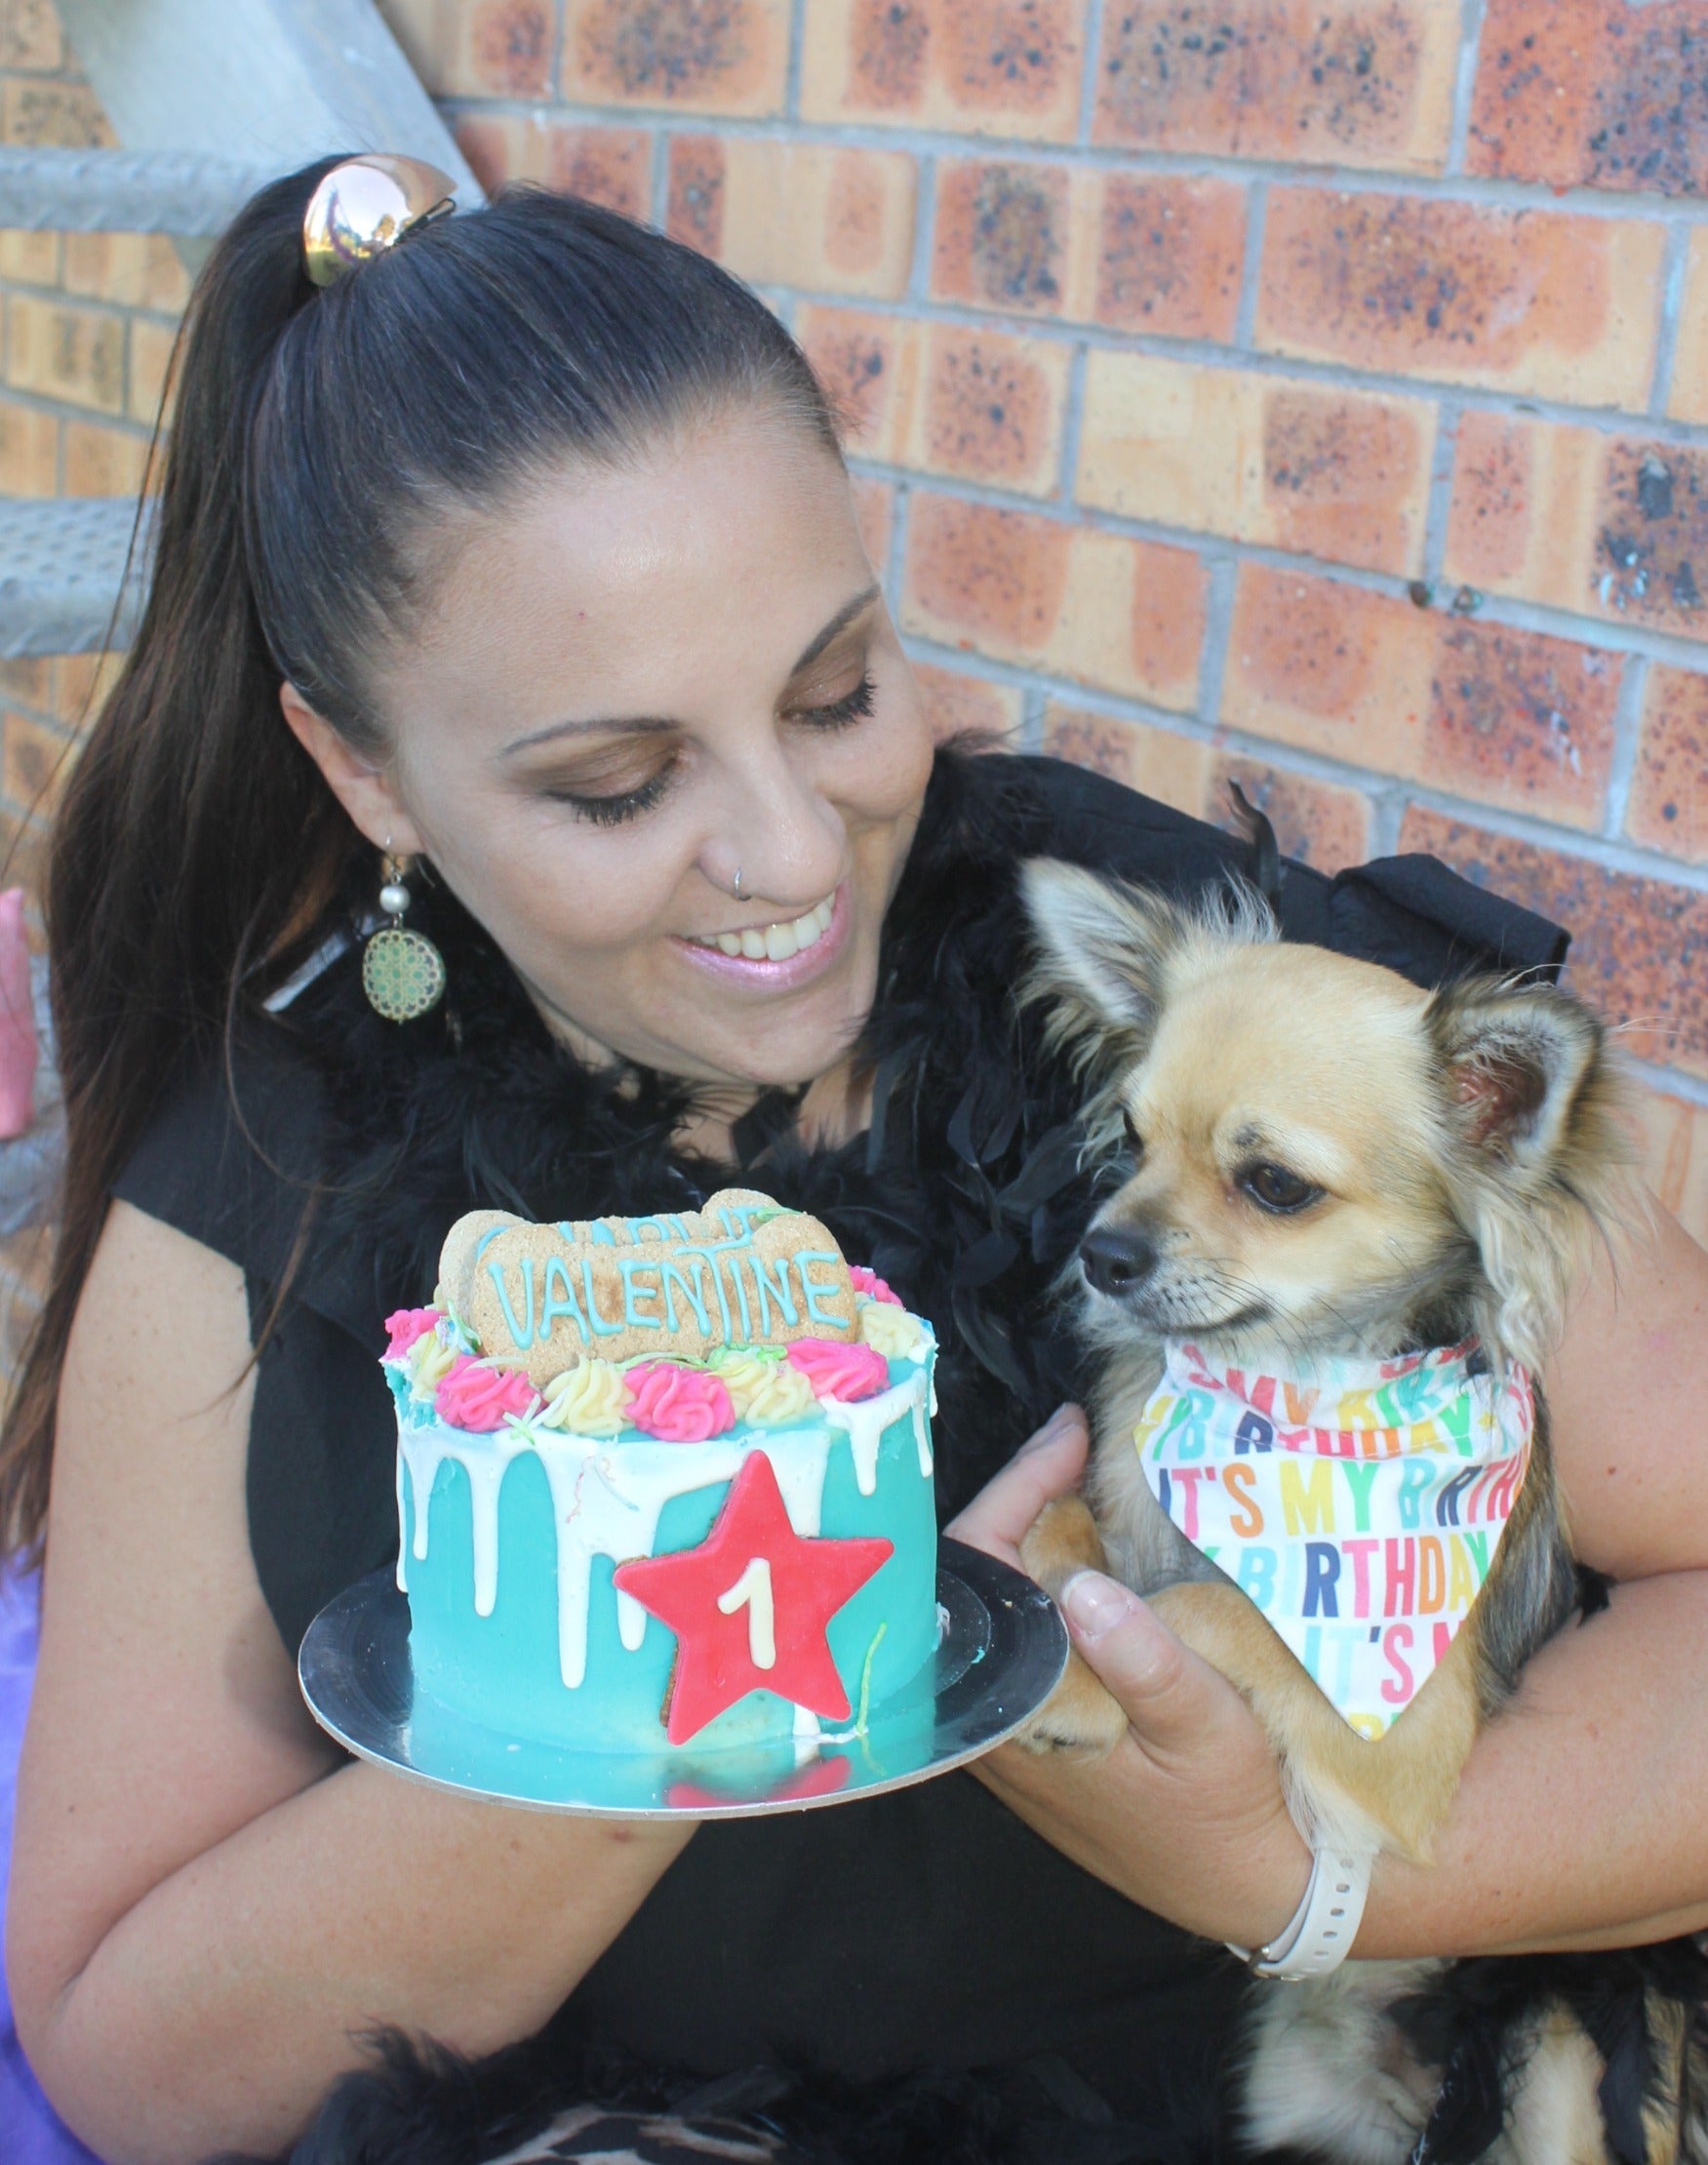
(776, 942)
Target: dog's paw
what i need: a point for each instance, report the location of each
(1063, 1538)
(1080, 1717)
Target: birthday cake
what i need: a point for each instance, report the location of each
(664, 1481)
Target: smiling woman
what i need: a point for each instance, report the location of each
(513, 577)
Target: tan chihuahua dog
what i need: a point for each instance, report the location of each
(1328, 1164)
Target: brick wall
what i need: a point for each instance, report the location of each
(1315, 396)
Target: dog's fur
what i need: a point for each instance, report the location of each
(1458, 1155)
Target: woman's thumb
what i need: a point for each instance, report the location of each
(1170, 1696)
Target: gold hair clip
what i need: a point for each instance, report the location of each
(367, 205)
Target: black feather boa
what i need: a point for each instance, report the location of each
(967, 1194)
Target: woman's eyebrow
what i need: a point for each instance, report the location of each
(651, 724)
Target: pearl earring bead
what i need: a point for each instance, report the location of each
(394, 897)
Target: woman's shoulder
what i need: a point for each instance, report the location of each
(1411, 913)
(233, 1151)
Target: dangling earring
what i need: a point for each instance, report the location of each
(403, 973)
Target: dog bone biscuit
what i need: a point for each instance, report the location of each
(740, 1271)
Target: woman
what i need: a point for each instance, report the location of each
(524, 556)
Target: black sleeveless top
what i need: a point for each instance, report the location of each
(925, 1928)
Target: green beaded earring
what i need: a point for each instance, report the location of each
(403, 973)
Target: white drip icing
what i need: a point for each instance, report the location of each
(864, 1421)
(806, 1734)
(608, 1495)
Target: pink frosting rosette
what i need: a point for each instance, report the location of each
(678, 1405)
(838, 1371)
(872, 1286)
(471, 1396)
(405, 1327)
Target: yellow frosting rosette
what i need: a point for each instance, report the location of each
(587, 1400)
(763, 1389)
(891, 1331)
(430, 1363)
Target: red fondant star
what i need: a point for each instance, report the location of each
(752, 1590)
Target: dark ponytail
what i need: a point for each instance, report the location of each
(317, 434)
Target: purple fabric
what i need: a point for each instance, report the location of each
(31, 2132)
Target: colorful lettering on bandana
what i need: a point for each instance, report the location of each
(1360, 1510)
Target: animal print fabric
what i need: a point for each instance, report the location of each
(595, 2136)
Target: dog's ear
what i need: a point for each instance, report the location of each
(1103, 949)
(1539, 1149)
(1516, 1061)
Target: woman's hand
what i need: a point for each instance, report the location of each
(1187, 1815)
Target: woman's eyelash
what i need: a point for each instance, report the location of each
(852, 706)
(612, 811)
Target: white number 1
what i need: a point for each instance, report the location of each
(752, 1591)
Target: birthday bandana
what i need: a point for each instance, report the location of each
(1359, 1509)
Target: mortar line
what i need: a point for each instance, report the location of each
(1212, 650)
(1444, 469)
(1072, 425)
(1089, 66)
(1578, 843)
(895, 568)
(659, 179)
(1511, 612)
(1471, 21)
(1387, 816)
(1617, 205)
(925, 225)
(1250, 265)
(1669, 1082)
(1674, 271)
(1032, 708)
(1627, 732)
(796, 48)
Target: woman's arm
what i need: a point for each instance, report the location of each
(210, 1906)
(1576, 1824)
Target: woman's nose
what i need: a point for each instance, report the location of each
(788, 841)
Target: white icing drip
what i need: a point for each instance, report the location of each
(402, 1529)
(424, 1450)
(486, 1476)
(806, 1733)
(864, 1421)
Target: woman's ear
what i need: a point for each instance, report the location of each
(365, 790)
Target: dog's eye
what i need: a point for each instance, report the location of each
(1277, 1189)
(1134, 1141)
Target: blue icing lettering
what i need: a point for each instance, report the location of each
(487, 1238)
(600, 1328)
(675, 1280)
(602, 1233)
(770, 1293)
(560, 1300)
(523, 1333)
(816, 1295)
(632, 1268)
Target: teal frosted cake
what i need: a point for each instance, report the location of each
(663, 1480)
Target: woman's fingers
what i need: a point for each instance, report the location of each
(1176, 1703)
(1049, 1465)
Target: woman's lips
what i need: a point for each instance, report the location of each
(828, 938)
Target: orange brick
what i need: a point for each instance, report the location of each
(501, 48)
(1008, 67)
(611, 166)
(1522, 720)
(1323, 82)
(1531, 300)
(1612, 526)
(29, 36)
(66, 115)
(1294, 465)
(1639, 947)
(1673, 1141)
(1317, 823)
(151, 347)
(693, 56)
(103, 461)
(796, 213)
(958, 704)
(978, 405)
(1687, 396)
(29, 452)
(1101, 610)
(29, 259)
(28, 680)
(81, 683)
(1592, 93)
(1331, 668)
(874, 504)
(1668, 806)
(138, 270)
(1159, 253)
(75, 354)
(34, 764)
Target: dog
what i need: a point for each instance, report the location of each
(1324, 1168)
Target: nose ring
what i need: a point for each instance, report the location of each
(736, 888)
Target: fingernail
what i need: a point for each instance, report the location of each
(1050, 1431)
(1094, 1604)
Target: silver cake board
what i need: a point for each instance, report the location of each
(1002, 1653)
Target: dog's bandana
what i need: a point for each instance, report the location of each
(1359, 1509)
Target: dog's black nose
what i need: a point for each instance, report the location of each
(1114, 1261)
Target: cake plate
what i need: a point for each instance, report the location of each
(1001, 1654)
